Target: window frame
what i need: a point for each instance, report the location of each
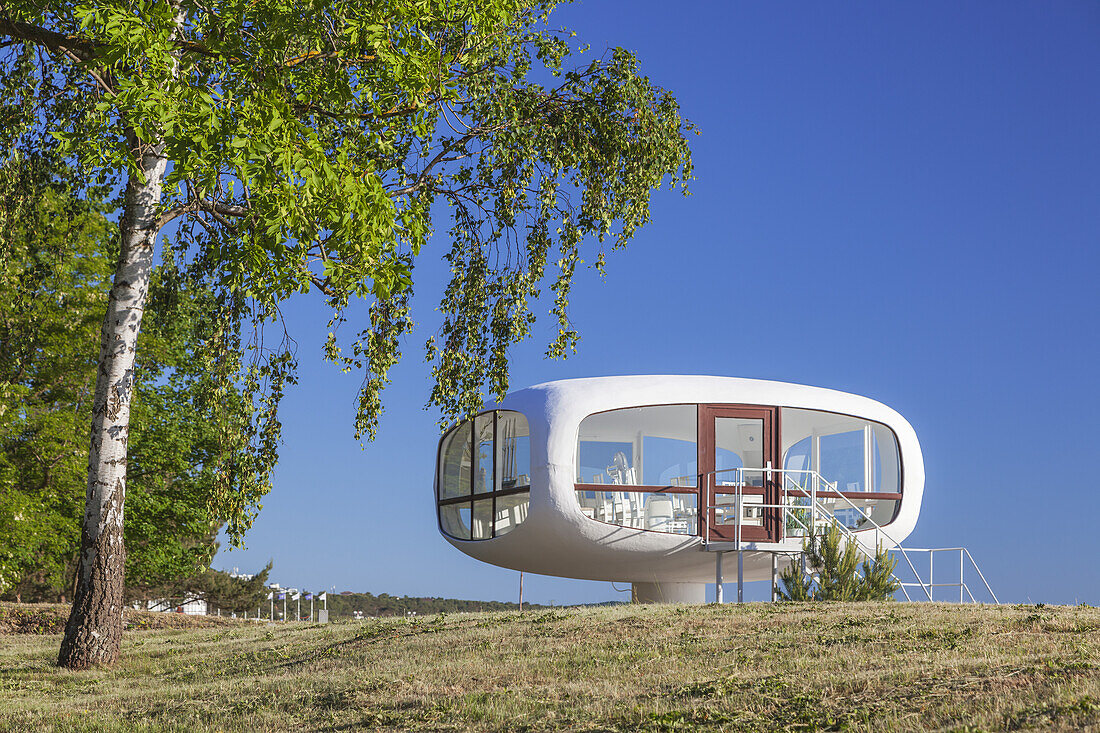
(473, 496)
(698, 488)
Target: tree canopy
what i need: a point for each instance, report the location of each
(298, 146)
(308, 142)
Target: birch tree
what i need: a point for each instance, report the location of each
(186, 451)
(297, 147)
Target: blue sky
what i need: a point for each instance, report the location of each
(901, 201)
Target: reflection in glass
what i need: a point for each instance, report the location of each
(657, 512)
(514, 450)
(864, 515)
(483, 519)
(842, 460)
(669, 461)
(857, 455)
(798, 458)
(455, 519)
(798, 518)
(511, 511)
(455, 458)
(605, 462)
(493, 461)
(483, 476)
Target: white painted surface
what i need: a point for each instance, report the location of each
(557, 539)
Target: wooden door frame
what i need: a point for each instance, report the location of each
(771, 531)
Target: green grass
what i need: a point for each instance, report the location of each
(884, 666)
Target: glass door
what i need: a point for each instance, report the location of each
(737, 445)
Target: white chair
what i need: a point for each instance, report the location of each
(659, 513)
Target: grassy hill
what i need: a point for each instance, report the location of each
(884, 666)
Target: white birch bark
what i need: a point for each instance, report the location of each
(93, 633)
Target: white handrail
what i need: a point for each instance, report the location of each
(816, 508)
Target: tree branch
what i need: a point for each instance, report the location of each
(421, 179)
(75, 48)
(81, 48)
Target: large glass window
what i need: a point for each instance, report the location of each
(652, 450)
(857, 457)
(639, 446)
(485, 476)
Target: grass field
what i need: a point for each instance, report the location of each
(884, 666)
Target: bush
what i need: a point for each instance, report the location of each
(837, 574)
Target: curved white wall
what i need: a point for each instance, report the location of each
(557, 539)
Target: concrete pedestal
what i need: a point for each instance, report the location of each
(669, 592)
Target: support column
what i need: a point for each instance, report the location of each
(740, 576)
(718, 577)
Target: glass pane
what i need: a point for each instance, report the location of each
(669, 461)
(738, 443)
(605, 462)
(672, 513)
(798, 459)
(866, 514)
(886, 464)
(514, 450)
(455, 519)
(483, 473)
(797, 518)
(483, 519)
(639, 445)
(839, 453)
(511, 511)
(752, 510)
(454, 475)
(842, 460)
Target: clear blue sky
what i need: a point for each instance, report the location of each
(896, 200)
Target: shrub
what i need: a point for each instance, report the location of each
(837, 574)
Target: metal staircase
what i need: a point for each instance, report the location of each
(807, 508)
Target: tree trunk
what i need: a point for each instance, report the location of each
(93, 634)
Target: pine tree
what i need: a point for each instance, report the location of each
(837, 574)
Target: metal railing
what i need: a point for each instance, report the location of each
(963, 587)
(814, 518)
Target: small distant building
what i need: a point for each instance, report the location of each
(191, 607)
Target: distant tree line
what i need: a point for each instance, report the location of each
(344, 605)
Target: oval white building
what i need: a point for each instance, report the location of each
(639, 478)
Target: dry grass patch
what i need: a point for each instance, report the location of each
(868, 666)
(50, 618)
